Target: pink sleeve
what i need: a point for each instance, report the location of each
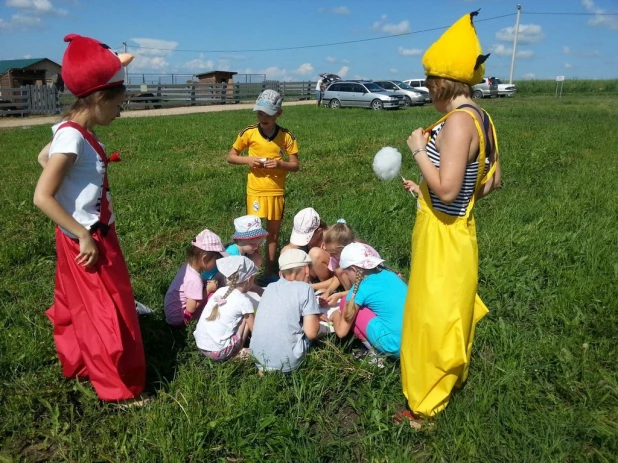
(193, 287)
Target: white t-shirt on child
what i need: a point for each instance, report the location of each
(216, 335)
(80, 191)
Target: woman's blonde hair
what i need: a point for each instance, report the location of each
(232, 282)
(442, 89)
(339, 235)
(89, 102)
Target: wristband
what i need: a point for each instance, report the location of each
(416, 151)
(187, 316)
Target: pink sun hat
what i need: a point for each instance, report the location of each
(209, 241)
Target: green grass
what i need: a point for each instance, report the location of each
(572, 87)
(543, 384)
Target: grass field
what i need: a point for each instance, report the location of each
(543, 384)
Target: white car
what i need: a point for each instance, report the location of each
(505, 89)
(417, 84)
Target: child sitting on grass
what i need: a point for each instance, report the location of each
(307, 236)
(228, 316)
(187, 294)
(374, 306)
(287, 317)
(335, 239)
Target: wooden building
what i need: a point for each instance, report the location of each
(37, 71)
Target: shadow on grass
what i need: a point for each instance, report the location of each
(165, 348)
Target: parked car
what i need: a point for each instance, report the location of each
(360, 94)
(417, 84)
(412, 96)
(505, 89)
(488, 87)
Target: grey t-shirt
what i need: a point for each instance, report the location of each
(278, 341)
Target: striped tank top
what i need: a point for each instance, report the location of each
(459, 206)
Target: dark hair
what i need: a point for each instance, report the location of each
(88, 102)
(442, 89)
(194, 254)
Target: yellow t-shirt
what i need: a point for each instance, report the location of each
(266, 182)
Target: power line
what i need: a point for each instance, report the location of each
(318, 45)
(571, 14)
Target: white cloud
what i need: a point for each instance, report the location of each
(409, 51)
(359, 77)
(331, 59)
(304, 69)
(529, 76)
(502, 50)
(528, 33)
(153, 47)
(275, 73)
(233, 57)
(343, 71)
(200, 64)
(153, 55)
(587, 53)
(393, 71)
(610, 22)
(27, 56)
(393, 29)
(340, 10)
(26, 22)
(568, 66)
(36, 7)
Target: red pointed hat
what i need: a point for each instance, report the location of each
(89, 65)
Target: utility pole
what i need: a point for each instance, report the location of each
(515, 44)
(126, 70)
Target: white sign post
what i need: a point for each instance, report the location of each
(559, 84)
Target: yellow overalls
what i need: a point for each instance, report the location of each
(442, 307)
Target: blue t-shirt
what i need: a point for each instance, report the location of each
(384, 293)
(232, 250)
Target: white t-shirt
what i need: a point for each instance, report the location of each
(216, 335)
(80, 191)
(318, 85)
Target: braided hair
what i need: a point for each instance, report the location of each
(232, 282)
(350, 310)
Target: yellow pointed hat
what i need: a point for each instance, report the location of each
(457, 55)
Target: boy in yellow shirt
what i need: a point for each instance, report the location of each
(268, 144)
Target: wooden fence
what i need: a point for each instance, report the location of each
(46, 100)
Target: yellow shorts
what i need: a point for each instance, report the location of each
(266, 207)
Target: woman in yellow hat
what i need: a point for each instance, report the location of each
(458, 159)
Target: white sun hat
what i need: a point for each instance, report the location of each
(360, 255)
(245, 267)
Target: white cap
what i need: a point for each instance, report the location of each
(293, 258)
(360, 255)
(306, 222)
(241, 264)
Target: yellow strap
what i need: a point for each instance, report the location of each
(480, 181)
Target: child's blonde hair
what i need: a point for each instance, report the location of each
(351, 308)
(339, 235)
(232, 282)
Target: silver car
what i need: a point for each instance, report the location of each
(361, 94)
(412, 96)
(488, 87)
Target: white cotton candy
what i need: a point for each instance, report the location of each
(387, 163)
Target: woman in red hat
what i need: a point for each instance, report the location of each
(96, 329)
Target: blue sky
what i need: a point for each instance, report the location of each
(188, 37)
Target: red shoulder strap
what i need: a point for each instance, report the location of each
(105, 213)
